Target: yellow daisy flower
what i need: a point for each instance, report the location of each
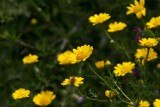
(110, 94)
(44, 98)
(21, 93)
(101, 64)
(67, 57)
(144, 104)
(156, 103)
(123, 69)
(154, 22)
(142, 53)
(82, 52)
(138, 9)
(30, 59)
(96, 19)
(76, 81)
(116, 26)
(148, 42)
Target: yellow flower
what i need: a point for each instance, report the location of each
(148, 42)
(82, 52)
(111, 93)
(156, 103)
(44, 98)
(138, 9)
(131, 104)
(116, 26)
(76, 81)
(30, 59)
(33, 21)
(144, 104)
(154, 22)
(21, 93)
(123, 69)
(142, 53)
(101, 64)
(66, 58)
(96, 19)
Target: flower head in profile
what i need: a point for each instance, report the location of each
(97, 19)
(142, 53)
(76, 81)
(66, 57)
(156, 103)
(144, 104)
(101, 64)
(111, 93)
(154, 22)
(82, 52)
(148, 42)
(137, 8)
(123, 69)
(30, 59)
(21, 93)
(44, 98)
(116, 26)
(131, 104)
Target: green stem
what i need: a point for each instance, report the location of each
(121, 91)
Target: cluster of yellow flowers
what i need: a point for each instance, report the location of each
(76, 55)
(44, 98)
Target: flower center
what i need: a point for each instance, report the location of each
(138, 9)
(80, 56)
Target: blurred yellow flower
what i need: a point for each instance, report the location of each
(142, 53)
(131, 104)
(101, 64)
(154, 22)
(123, 69)
(21, 93)
(66, 57)
(156, 103)
(144, 104)
(30, 59)
(111, 93)
(96, 19)
(76, 81)
(44, 98)
(33, 21)
(148, 42)
(116, 26)
(82, 52)
(138, 9)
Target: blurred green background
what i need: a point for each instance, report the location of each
(48, 27)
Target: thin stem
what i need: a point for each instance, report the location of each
(121, 91)
(95, 99)
(97, 74)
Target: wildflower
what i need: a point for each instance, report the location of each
(44, 98)
(138, 30)
(154, 22)
(101, 64)
(66, 58)
(21, 93)
(30, 59)
(111, 93)
(123, 69)
(82, 52)
(144, 104)
(131, 104)
(156, 103)
(76, 81)
(34, 21)
(116, 26)
(137, 39)
(96, 19)
(142, 53)
(148, 42)
(138, 9)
